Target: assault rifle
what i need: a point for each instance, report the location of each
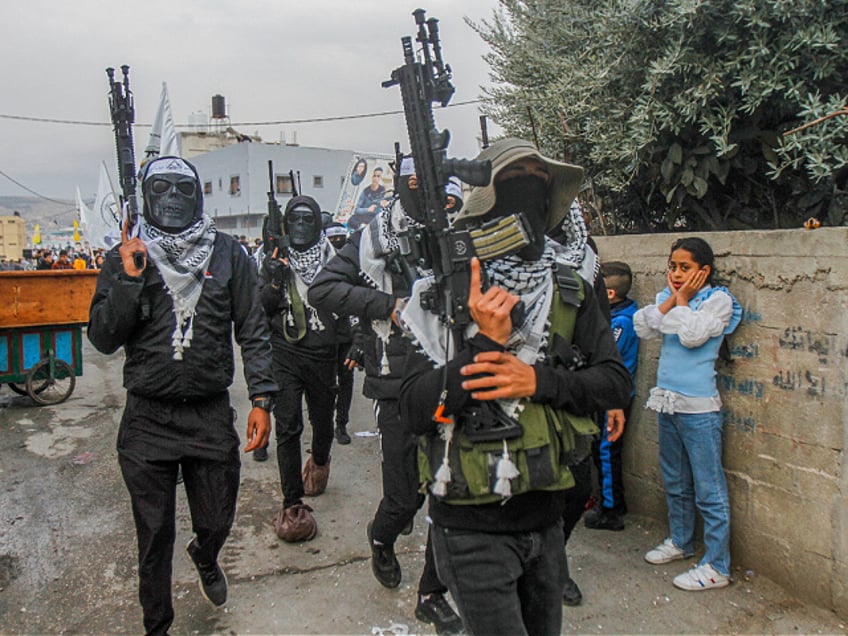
(122, 110)
(447, 251)
(273, 230)
(435, 244)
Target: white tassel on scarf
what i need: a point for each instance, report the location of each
(443, 474)
(505, 470)
(181, 338)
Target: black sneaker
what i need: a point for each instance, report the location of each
(260, 454)
(435, 609)
(213, 581)
(384, 563)
(341, 434)
(600, 518)
(407, 529)
(571, 594)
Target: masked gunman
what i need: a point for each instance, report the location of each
(369, 278)
(304, 342)
(174, 317)
(502, 408)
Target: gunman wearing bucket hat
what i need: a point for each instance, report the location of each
(497, 501)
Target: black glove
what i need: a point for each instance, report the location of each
(356, 355)
(274, 271)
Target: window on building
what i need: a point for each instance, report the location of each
(207, 187)
(317, 181)
(235, 186)
(284, 184)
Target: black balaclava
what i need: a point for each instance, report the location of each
(527, 195)
(303, 222)
(171, 192)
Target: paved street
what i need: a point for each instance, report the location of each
(67, 545)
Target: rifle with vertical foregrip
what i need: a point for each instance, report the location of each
(433, 243)
(122, 110)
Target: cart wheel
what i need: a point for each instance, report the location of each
(20, 389)
(43, 388)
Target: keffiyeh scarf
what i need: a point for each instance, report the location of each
(182, 260)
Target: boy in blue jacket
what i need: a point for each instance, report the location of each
(607, 515)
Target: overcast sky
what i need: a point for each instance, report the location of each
(272, 60)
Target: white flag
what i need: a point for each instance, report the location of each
(103, 224)
(163, 135)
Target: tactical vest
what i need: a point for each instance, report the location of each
(552, 439)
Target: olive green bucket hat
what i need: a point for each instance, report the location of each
(563, 186)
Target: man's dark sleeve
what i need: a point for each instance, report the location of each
(114, 307)
(603, 384)
(423, 383)
(339, 288)
(251, 326)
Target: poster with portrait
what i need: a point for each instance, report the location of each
(367, 189)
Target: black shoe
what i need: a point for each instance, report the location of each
(384, 563)
(341, 434)
(571, 594)
(600, 518)
(436, 610)
(407, 529)
(213, 581)
(260, 454)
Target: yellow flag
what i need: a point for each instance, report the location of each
(76, 231)
(36, 235)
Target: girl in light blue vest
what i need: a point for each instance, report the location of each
(693, 317)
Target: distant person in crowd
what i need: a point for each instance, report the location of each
(692, 315)
(45, 261)
(337, 235)
(304, 341)
(63, 261)
(175, 314)
(245, 244)
(370, 278)
(477, 404)
(606, 451)
(372, 200)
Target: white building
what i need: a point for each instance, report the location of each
(235, 180)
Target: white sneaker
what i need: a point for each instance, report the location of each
(703, 577)
(664, 553)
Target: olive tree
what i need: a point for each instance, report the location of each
(679, 109)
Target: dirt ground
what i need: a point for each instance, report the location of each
(68, 554)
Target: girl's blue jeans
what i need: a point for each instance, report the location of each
(690, 460)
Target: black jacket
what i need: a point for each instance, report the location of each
(340, 287)
(603, 384)
(316, 344)
(137, 313)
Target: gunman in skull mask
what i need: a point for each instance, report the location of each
(174, 317)
(303, 339)
(506, 491)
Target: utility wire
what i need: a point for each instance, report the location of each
(31, 191)
(76, 122)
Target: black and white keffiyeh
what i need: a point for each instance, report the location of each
(306, 264)
(576, 251)
(182, 260)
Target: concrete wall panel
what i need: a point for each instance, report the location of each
(784, 391)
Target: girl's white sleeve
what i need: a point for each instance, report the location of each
(694, 328)
(646, 322)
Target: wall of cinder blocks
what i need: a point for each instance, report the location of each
(784, 394)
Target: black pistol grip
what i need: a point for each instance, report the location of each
(518, 314)
(138, 260)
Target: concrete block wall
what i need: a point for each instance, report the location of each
(784, 394)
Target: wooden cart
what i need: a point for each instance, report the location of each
(41, 318)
